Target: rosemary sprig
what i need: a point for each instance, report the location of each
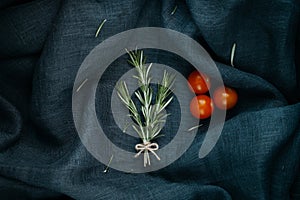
(152, 115)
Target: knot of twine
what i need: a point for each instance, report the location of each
(147, 147)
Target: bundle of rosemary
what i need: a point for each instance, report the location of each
(149, 123)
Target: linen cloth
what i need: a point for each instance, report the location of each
(44, 42)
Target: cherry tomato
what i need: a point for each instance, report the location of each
(199, 83)
(201, 106)
(225, 98)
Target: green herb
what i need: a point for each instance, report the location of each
(232, 54)
(195, 127)
(153, 116)
(174, 10)
(80, 86)
(100, 27)
(107, 167)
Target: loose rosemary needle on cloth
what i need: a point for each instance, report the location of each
(149, 123)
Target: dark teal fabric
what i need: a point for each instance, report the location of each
(42, 45)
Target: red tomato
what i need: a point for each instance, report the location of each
(225, 98)
(199, 83)
(201, 106)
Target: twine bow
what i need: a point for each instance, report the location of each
(147, 147)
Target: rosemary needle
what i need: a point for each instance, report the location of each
(126, 126)
(194, 127)
(100, 27)
(80, 86)
(232, 54)
(174, 10)
(106, 169)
